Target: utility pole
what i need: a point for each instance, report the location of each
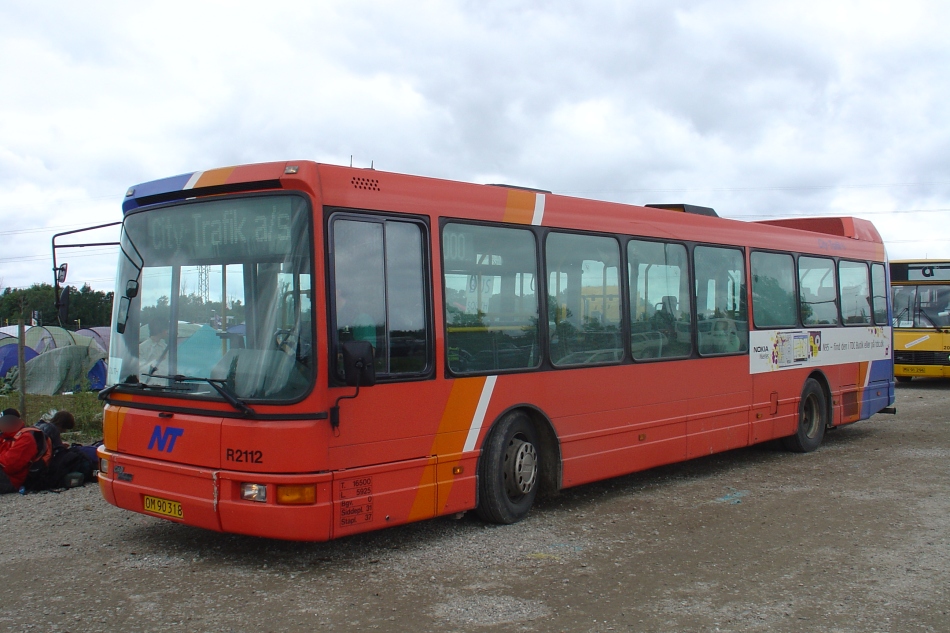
(21, 363)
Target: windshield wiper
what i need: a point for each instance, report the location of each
(217, 386)
(897, 319)
(131, 382)
(933, 322)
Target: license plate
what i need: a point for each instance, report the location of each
(163, 506)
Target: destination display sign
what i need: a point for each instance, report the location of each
(233, 229)
(921, 271)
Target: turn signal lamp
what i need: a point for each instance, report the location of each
(254, 492)
(296, 495)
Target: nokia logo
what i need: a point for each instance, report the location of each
(760, 348)
(161, 439)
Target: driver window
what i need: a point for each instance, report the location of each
(380, 293)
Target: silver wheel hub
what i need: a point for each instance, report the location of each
(521, 467)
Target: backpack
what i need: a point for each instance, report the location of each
(66, 460)
(39, 465)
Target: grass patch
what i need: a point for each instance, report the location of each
(85, 407)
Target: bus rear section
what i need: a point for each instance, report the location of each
(921, 297)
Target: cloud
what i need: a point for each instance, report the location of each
(754, 108)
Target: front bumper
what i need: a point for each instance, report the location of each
(922, 371)
(211, 499)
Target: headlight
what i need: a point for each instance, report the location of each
(254, 492)
(103, 465)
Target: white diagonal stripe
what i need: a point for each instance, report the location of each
(538, 210)
(193, 180)
(479, 416)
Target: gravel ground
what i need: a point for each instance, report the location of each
(854, 537)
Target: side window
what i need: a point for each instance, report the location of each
(721, 312)
(879, 293)
(659, 300)
(379, 281)
(773, 290)
(819, 296)
(855, 293)
(491, 299)
(584, 309)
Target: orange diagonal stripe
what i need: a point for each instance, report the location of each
(214, 177)
(520, 207)
(450, 438)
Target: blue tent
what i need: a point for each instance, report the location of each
(8, 358)
(97, 376)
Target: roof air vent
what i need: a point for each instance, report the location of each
(686, 208)
(369, 184)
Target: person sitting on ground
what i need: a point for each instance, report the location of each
(55, 425)
(17, 450)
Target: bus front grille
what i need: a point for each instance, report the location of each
(921, 358)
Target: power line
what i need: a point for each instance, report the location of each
(942, 239)
(44, 229)
(37, 258)
(773, 188)
(831, 214)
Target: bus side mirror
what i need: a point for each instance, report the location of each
(61, 273)
(123, 316)
(359, 368)
(125, 303)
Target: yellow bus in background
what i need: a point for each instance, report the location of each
(920, 290)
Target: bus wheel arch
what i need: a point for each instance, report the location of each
(814, 415)
(520, 458)
(549, 452)
(822, 380)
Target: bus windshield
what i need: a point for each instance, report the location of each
(924, 306)
(216, 292)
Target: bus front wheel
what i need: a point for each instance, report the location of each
(904, 378)
(812, 419)
(508, 470)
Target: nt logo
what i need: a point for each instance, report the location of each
(164, 438)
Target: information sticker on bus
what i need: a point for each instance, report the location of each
(163, 506)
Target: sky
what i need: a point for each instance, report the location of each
(759, 109)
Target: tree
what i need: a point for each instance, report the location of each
(87, 307)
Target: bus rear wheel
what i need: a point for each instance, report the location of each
(812, 420)
(904, 378)
(508, 470)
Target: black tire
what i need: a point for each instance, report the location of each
(508, 470)
(812, 419)
(904, 378)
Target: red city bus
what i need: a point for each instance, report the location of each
(306, 351)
